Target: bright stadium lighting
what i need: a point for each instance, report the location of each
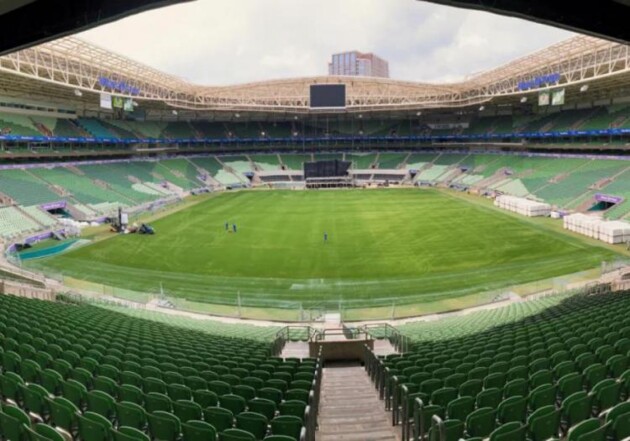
(584, 88)
(237, 115)
(175, 112)
(77, 92)
(360, 116)
(418, 113)
(482, 108)
(263, 134)
(524, 99)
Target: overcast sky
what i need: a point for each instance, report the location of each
(217, 42)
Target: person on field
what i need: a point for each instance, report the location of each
(227, 226)
(325, 237)
(234, 227)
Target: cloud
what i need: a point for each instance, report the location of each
(217, 42)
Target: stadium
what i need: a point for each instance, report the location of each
(314, 258)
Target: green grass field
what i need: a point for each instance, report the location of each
(384, 245)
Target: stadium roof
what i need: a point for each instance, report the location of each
(75, 65)
(28, 22)
(603, 18)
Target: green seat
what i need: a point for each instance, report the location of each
(297, 394)
(51, 381)
(187, 410)
(195, 430)
(43, 432)
(543, 395)
(30, 371)
(263, 406)
(489, 398)
(619, 418)
(34, 399)
(544, 423)
(131, 414)
(481, 422)
(539, 378)
(517, 387)
(292, 407)
(512, 409)
(9, 386)
(130, 393)
(570, 384)
(513, 431)
(151, 384)
(205, 398)
(164, 426)
(453, 430)
(606, 394)
(125, 433)
(107, 385)
(287, 425)
(460, 408)
(588, 430)
(74, 392)
(470, 388)
(234, 403)
(178, 392)
(101, 403)
(253, 423)
(280, 438)
(220, 418)
(63, 413)
(576, 408)
(13, 423)
(154, 401)
(219, 387)
(271, 393)
(443, 396)
(236, 435)
(94, 427)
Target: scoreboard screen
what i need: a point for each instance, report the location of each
(326, 169)
(328, 96)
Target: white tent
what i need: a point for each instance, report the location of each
(600, 229)
(523, 206)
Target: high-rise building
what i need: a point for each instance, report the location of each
(358, 64)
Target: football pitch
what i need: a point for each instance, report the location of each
(387, 245)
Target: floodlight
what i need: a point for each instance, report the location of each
(77, 92)
(524, 99)
(584, 88)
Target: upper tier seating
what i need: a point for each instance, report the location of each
(96, 128)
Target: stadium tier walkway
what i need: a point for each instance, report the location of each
(350, 409)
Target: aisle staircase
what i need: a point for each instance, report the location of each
(350, 409)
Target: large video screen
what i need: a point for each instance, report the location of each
(326, 169)
(328, 95)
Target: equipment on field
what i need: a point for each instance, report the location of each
(146, 229)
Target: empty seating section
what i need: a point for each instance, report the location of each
(40, 216)
(25, 188)
(579, 180)
(432, 173)
(361, 161)
(239, 164)
(98, 375)
(120, 129)
(266, 162)
(328, 156)
(391, 160)
(278, 130)
(295, 161)
(179, 130)
(620, 186)
(13, 223)
(210, 130)
(419, 160)
(81, 188)
(16, 124)
(449, 159)
(117, 177)
(95, 128)
(214, 167)
(557, 368)
(67, 129)
(181, 168)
